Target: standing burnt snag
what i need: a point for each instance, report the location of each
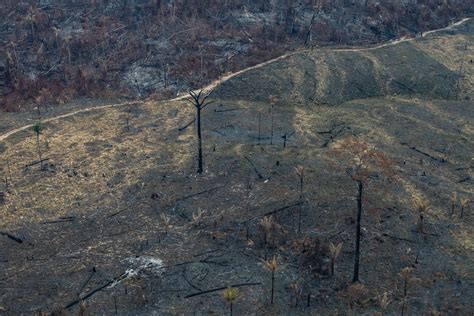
(273, 99)
(200, 101)
(363, 164)
(38, 128)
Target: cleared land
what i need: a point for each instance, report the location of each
(80, 224)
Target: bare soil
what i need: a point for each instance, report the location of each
(91, 226)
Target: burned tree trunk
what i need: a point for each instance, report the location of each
(199, 135)
(199, 100)
(358, 231)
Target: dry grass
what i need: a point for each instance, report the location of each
(118, 184)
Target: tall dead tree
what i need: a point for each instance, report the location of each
(272, 100)
(38, 128)
(363, 164)
(200, 101)
(309, 34)
(460, 70)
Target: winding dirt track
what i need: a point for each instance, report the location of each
(217, 82)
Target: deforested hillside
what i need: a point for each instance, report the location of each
(425, 67)
(335, 182)
(52, 52)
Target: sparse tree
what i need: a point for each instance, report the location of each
(197, 217)
(454, 200)
(356, 293)
(266, 224)
(406, 275)
(128, 116)
(230, 295)
(83, 309)
(287, 137)
(31, 18)
(463, 58)
(421, 207)
(361, 161)
(334, 251)
(272, 266)
(38, 128)
(384, 301)
(464, 204)
(7, 174)
(7, 170)
(273, 101)
(165, 221)
(259, 111)
(296, 293)
(299, 170)
(200, 101)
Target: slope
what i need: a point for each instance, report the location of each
(100, 207)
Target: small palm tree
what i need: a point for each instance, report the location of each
(422, 207)
(165, 221)
(259, 111)
(464, 204)
(266, 224)
(384, 301)
(272, 100)
(82, 309)
(230, 295)
(272, 266)
(296, 293)
(454, 199)
(356, 293)
(299, 170)
(31, 17)
(197, 217)
(406, 275)
(334, 251)
(38, 128)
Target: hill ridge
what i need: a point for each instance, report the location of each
(226, 78)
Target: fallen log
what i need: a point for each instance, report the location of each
(61, 220)
(14, 238)
(273, 212)
(404, 86)
(199, 193)
(282, 209)
(186, 126)
(87, 281)
(207, 252)
(225, 110)
(424, 153)
(335, 235)
(425, 233)
(98, 289)
(336, 134)
(220, 289)
(218, 132)
(254, 168)
(117, 213)
(398, 238)
(463, 168)
(36, 162)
